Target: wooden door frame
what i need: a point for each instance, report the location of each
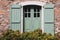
(32, 3)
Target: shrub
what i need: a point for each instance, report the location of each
(35, 35)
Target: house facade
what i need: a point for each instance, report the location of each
(27, 16)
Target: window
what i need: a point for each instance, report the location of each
(25, 9)
(27, 12)
(31, 11)
(25, 15)
(36, 12)
(28, 9)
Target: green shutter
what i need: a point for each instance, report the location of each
(49, 18)
(15, 17)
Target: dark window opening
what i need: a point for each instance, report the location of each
(25, 10)
(38, 14)
(25, 14)
(34, 14)
(38, 10)
(29, 15)
(28, 9)
(34, 10)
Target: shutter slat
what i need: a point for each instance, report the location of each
(15, 27)
(49, 6)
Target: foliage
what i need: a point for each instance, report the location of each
(35, 35)
(57, 35)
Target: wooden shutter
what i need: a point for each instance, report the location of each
(49, 18)
(15, 17)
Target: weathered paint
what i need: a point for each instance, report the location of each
(49, 18)
(15, 17)
(32, 23)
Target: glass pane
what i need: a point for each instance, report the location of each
(34, 9)
(38, 14)
(28, 9)
(38, 10)
(34, 14)
(29, 15)
(25, 10)
(25, 14)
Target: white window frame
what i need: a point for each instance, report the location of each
(33, 3)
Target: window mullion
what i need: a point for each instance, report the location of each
(36, 12)
(27, 12)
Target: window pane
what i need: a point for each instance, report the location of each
(29, 15)
(34, 9)
(38, 14)
(38, 10)
(25, 14)
(28, 9)
(34, 14)
(25, 10)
